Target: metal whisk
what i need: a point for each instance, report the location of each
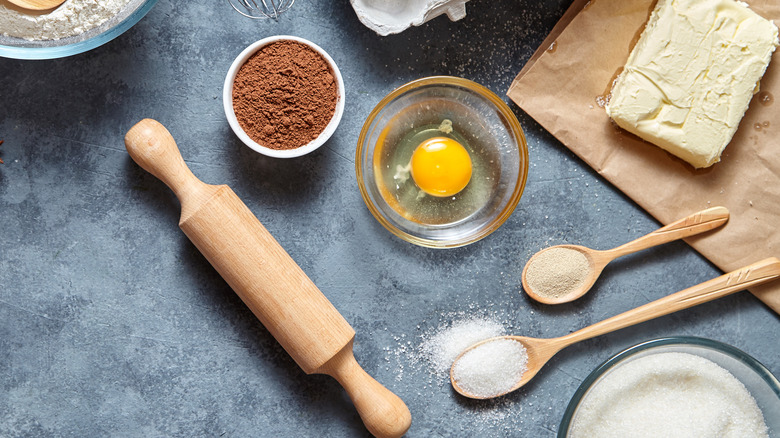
(261, 8)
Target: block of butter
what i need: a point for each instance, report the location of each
(689, 79)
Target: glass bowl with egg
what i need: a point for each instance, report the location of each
(74, 27)
(676, 386)
(441, 162)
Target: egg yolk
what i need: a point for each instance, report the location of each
(441, 166)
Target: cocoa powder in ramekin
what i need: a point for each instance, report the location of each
(284, 95)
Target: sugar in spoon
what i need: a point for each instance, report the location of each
(542, 350)
(37, 5)
(547, 279)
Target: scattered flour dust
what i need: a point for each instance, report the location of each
(427, 361)
(72, 18)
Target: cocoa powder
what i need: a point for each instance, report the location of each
(284, 95)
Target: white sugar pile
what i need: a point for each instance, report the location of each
(428, 362)
(444, 346)
(669, 395)
(492, 368)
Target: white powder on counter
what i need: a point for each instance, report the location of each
(71, 18)
(443, 347)
(669, 395)
(427, 359)
(491, 369)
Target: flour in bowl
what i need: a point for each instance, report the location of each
(72, 18)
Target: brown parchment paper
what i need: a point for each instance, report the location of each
(560, 87)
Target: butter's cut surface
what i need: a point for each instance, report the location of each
(689, 79)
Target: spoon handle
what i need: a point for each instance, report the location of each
(749, 276)
(696, 223)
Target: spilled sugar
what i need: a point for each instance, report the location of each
(441, 349)
(426, 360)
(492, 368)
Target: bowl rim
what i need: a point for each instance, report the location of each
(514, 125)
(55, 52)
(726, 349)
(227, 100)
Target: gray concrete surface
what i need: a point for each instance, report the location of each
(112, 323)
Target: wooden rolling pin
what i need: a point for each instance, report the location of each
(267, 279)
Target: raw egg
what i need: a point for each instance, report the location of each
(441, 166)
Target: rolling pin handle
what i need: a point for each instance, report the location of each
(384, 414)
(154, 149)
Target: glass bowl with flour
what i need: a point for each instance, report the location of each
(676, 387)
(74, 27)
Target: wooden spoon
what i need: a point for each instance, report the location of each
(542, 350)
(696, 223)
(37, 5)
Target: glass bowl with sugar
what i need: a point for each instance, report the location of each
(676, 387)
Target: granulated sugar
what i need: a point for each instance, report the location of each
(442, 348)
(492, 368)
(426, 362)
(669, 395)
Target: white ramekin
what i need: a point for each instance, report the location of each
(227, 100)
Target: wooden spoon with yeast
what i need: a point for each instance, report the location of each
(547, 292)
